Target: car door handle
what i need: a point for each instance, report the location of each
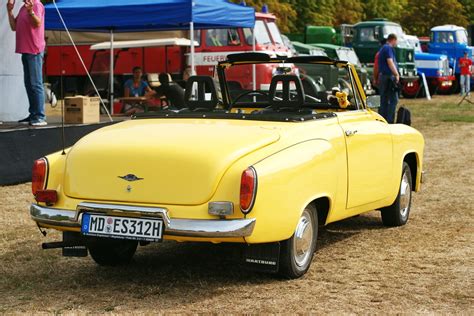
(351, 132)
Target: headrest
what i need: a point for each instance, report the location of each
(164, 78)
(195, 94)
(153, 80)
(286, 99)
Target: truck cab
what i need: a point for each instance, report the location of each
(215, 44)
(450, 40)
(435, 67)
(367, 38)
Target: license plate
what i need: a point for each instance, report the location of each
(146, 229)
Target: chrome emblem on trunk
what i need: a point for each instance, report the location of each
(130, 177)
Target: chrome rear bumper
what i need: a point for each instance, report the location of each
(176, 227)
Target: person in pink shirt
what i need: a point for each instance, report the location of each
(30, 43)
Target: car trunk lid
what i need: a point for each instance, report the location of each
(167, 161)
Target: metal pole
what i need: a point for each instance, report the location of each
(193, 66)
(254, 68)
(111, 71)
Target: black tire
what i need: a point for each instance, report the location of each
(289, 266)
(112, 252)
(397, 214)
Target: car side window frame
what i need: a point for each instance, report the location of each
(355, 90)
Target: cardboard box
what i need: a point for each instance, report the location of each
(51, 111)
(81, 110)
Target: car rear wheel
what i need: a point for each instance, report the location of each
(397, 213)
(112, 252)
(297, 252)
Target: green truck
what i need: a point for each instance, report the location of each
(341, 35)
(365, 38)
(366, 41)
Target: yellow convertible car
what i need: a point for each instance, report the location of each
(260, 167)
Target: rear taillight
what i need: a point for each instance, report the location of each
(46, 196)
(248, 189)
(38, 179)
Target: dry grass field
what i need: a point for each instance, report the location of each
(426, 266)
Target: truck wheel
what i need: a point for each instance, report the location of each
(397, 213)
(297, 252)
(112, 252)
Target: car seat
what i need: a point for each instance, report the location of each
(288, 100)
(195, 97)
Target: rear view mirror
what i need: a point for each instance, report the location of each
(373, 101)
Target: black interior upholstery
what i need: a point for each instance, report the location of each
(287, 99)
(195, 93)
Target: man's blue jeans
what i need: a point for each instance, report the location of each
(388, 98)
(465, 84)
(33, 77)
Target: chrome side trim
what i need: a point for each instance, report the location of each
(211, 228)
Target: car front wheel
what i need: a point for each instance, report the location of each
(297, 252)
(397, 213)
(112, 252)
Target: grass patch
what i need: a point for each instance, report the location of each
(458, 118)
(440, 109)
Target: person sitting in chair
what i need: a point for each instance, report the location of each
(173, 92)
(136, 86)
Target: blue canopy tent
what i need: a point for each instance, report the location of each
(145, 15)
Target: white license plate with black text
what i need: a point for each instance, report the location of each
(147, 229)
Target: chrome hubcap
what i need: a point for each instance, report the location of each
(405, 196)
(303, 240)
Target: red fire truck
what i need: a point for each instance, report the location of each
(212, 45)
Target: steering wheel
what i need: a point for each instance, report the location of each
(251, 92)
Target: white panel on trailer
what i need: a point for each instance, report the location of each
(13, 99)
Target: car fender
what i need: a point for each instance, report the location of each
(288, 181)
(406, 140)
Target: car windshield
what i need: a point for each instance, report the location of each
(367, 34)
(319, 85)
(348, 55)
(444, 37)
(222, 37)
(392, 29)
(461, 37)
(261, 34)
(296, 89)
(275, 32)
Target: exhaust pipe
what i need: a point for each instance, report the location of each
(73, 245)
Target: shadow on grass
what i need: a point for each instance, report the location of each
(169, 270)
(339, 231)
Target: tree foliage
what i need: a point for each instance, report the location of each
(435, 12)
(416, 16)
(347, 11)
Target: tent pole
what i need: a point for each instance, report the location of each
(111, 71)
(191, 31)
(254, 68)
